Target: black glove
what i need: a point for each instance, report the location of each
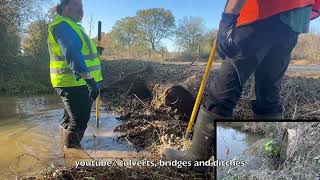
(93, 89)
(225, 42)
(100, 50)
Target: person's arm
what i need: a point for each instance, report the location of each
(234, 6)
(71, 46)
(225, 44)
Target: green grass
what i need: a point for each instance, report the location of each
(25, 76)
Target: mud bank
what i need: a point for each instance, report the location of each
(151, 118)
(136, 91)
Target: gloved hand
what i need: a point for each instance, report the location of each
(225, 41)
(93, 89)
(100, 50)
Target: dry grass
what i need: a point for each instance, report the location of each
(146, 121)
(300, 96)
(308, 47)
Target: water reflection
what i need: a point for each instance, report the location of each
(18, 107)
(30, 139)
(232, 142)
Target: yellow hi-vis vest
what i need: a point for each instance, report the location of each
(60, 72)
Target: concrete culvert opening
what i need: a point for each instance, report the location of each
(288, 142)
(129, 84)
(180, 98)
(141, 89)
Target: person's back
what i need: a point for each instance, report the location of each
(257, 10)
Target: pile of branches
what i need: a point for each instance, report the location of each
(300, 96)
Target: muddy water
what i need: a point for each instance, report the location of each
(231, 146)
(232, 142)
(30, 139)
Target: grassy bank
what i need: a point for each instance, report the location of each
(25, 76)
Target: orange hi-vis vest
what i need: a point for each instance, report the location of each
(255, 10)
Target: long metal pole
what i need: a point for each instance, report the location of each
(202, 86)
(98, 98)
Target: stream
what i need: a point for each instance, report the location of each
(30, 136)
(231, 145)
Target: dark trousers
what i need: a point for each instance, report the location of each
(77, 107)
(264, 49)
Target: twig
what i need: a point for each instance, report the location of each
(295, 107)
(140, 100)
(295, 110)
(130, 87)
(313, 149)
(128, 141)
(146, 69)
(313, 112)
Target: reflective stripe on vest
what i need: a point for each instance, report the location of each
(255, 10)
(60, 72)
(68, 70)
(62, 58)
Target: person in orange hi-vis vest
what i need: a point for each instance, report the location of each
(255, 37)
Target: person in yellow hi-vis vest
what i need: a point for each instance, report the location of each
(75, 70)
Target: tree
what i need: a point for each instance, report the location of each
(156, 25)
(190, 33)
(18, 12)
(106, 42)
(14, 11)
(35, 43)
(126, 31)
(14, 18)
(207, 42)
(10, 42)
(308, 47)
(90, 24)
(126, 37)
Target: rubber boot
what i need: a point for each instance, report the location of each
(202, 141)
(72, 139)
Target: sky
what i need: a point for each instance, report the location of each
(110, 11)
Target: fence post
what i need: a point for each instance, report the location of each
(162, 53)
(199, 52)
